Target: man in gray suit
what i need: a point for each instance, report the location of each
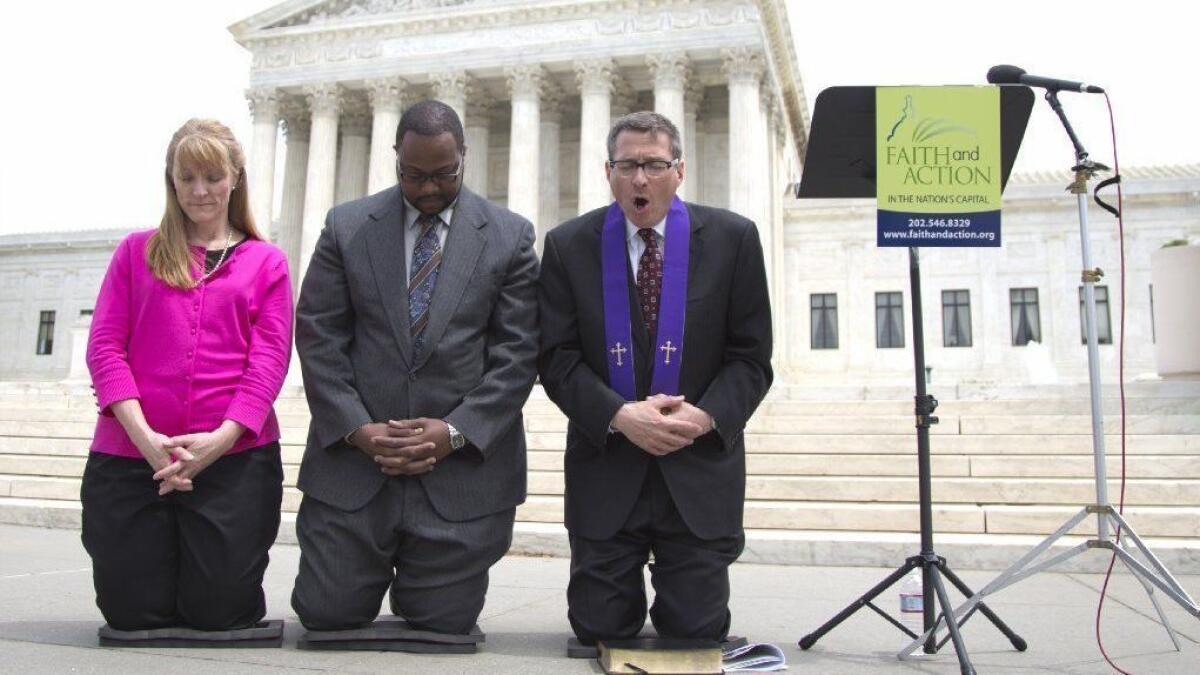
(417, 334)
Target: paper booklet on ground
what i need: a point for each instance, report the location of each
(753, 658)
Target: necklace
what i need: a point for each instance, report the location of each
(224, 251)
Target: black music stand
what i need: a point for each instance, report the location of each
(840, 163)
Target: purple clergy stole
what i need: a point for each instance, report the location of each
(662, 294)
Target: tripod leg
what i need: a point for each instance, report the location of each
(811, 639)
(1017, 642)
(1168, 584)
(1184, 600)
(960, 648)
(1153, 600)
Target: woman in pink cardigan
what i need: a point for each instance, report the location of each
(189, 346)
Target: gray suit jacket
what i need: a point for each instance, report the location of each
(476, 369)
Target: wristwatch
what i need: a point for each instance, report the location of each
(457, 440)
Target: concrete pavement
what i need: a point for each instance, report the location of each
(48, 622)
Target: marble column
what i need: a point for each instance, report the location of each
(478, 132)
(771, 191)
(386, 96)
(670, 72)
(451, 88)
(524, 158)
(749, 193)
(551, 136)
(264, 109)
(624, 100)
(747, 141)
(595, 95)
(325, 102)
(296, 122)
(354, 126)
(693, 97)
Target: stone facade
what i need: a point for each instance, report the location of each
(828, 248)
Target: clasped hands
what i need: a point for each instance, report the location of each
(404, 447)
(662, 424)
(177, 459)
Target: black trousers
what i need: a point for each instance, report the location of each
(192, 559)
(606, 597)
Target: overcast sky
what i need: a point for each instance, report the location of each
(93, 90)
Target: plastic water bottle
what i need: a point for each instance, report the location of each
(912, 603)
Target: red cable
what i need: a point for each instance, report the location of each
(1120, 383)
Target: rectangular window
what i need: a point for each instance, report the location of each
(1103, 318)
(956, 318)
(86, 312)
(45, 340)
(889, 320)
(1026, 322)
(823, 319)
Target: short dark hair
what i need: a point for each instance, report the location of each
(430, 118)
(645, 121)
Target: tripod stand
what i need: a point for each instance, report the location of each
(1154, 575)
(933, 567)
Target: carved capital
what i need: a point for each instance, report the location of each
(479, 111)
(324, 98)
(297, 122)
(264, 103)
(693, 97)
(743, 65)
(451, 84)
(624, 99)
(595, 76)
(386, 93)
(552, 103)
(525, 80)
(671, 70)
(356, 116)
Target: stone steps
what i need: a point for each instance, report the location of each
(1150, 521)
(771, 407)
(984, 467)
(792, 489)
(826, 467)
(295, 429)
(964, 551)
(832, 444)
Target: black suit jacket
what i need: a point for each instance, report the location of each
(726, 371)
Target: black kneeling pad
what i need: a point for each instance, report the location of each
(391, 634)
(262, 634)
(576, 649)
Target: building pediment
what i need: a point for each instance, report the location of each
(330, 11)
(327, 14)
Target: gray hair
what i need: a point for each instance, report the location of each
(645, 121)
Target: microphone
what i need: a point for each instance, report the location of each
(1015, 75)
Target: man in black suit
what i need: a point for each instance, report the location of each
(655, 461)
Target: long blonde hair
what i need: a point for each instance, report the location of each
(207, 145)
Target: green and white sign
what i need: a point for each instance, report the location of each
(938, 166)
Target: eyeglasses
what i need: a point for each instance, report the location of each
(655, 168)
(416, 179)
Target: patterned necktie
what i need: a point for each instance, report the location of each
(422, 277)
(649, 280)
